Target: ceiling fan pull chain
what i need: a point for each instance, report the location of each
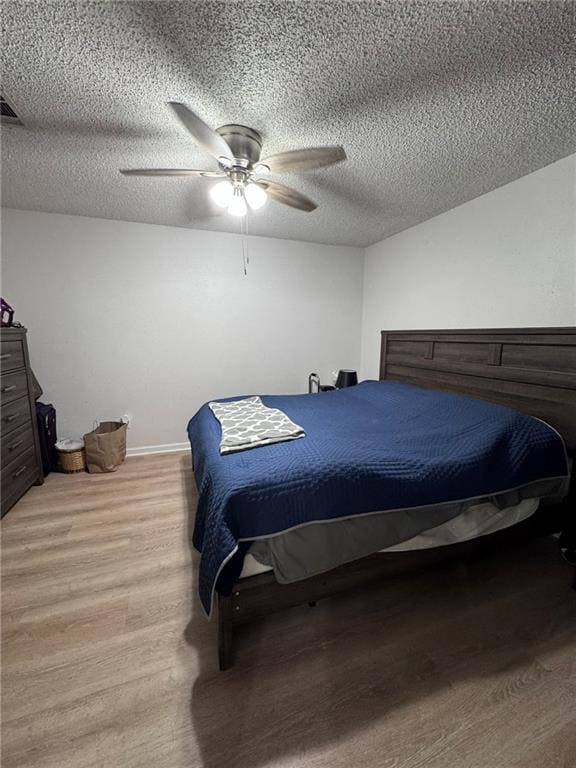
(243, 240)
(247, 262)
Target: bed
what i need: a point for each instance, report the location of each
(415, 464)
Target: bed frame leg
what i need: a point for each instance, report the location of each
(224, 632)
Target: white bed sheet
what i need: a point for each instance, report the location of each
(477, 520)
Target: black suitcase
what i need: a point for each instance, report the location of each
(46, 418)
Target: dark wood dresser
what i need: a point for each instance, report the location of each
(21, 461)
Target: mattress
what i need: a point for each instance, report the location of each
(478, 520)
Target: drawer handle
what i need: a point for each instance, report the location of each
(8, 389)
(15, 444)
(19, 472)
(5, 355)
(11, 417)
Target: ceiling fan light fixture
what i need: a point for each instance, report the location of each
(237, 205)
(222, 193)
(255, 196)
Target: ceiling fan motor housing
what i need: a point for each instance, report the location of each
(245, 143)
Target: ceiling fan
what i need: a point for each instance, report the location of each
(237, 149)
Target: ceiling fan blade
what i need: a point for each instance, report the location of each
(170, 172)
(302, 159)
(288, 196)
(200, 132)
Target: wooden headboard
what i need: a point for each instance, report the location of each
(530, 369)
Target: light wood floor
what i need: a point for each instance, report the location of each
(109, 662)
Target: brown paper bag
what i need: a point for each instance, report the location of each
(106, 446)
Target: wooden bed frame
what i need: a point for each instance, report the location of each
(530, 369)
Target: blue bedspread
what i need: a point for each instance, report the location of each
(381, 445)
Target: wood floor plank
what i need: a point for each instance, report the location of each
(109, 662)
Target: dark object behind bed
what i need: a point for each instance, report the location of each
(531, 370)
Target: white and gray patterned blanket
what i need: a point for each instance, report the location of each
(249, 423)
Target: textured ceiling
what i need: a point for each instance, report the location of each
(434, 102)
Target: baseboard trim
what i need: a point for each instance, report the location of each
(144, 450)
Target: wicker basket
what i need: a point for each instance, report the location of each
(72, 461)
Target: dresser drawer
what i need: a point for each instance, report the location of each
(14, 415)
(13, 386)
(16, 442)
(12, 355)
(18, 476)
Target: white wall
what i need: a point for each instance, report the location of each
(153, 321)
(506, 259)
